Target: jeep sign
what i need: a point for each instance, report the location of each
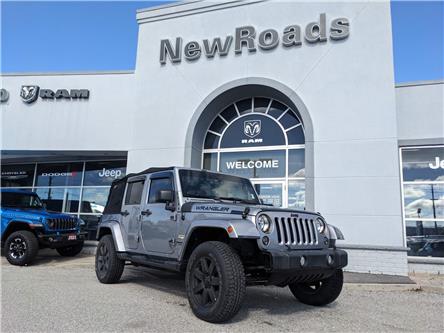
(438, 164)
(247, 37)
(110, 173)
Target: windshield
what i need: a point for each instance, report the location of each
(201, 184)
(20, 200)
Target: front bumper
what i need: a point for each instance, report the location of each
(304, 265)
(60, 240)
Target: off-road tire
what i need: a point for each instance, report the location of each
(326, 292)
(109, 267)
(70, 251)
(227, 270)
(31, 247)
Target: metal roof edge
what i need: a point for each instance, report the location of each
(166, 6)
(186, 8)
(66, 73)
(419, 83)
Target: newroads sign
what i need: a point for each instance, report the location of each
(247, 37)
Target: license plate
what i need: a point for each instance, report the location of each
(72, 237)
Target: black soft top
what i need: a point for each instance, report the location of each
(115, 196)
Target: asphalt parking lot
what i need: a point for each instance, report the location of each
(58, 294)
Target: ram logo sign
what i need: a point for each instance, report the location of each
(29, 93)
(252, 128)
(4, 95)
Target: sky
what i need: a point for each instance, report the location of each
(418, 40)
(69, 36)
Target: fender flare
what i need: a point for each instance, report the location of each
(241, 229)
(114, 227)
(11, 223)
(335, 232)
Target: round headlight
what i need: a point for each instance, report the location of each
(320, 225)
(264, 223)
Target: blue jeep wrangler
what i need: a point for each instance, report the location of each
(27, 226)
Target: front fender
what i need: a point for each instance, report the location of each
(335, 232)
(31, 223)
(239, 228)
(114, 227)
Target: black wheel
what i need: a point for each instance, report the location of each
(215, 282)
(320, 292)
(21, 247)
(109, 267)
(70, 251)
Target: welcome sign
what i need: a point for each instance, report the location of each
(254, 164)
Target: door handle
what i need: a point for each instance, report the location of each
(146, 212)
(124, 213)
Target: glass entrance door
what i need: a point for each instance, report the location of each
(271, 192)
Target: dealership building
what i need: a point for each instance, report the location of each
(297, 96)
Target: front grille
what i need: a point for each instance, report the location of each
(296, 231)
(62, 223)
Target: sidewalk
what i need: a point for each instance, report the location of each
(414, 282)
(429, 282)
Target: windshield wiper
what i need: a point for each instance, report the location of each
(222, 199)
(202, 197)
(235, 200)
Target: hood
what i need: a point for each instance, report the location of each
(207, 207)
(34, 213)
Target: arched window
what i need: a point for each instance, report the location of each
(262, 139)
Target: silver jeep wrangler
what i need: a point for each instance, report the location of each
(214, 228)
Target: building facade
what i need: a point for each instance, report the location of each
(297, 96)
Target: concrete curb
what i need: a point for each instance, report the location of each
(395, 287)
(368, 278)
(384, 287)
(436, 290)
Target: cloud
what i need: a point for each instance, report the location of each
(426, 205)
(413, 192)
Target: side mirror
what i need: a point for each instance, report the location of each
(262, 201)
(165, 196)
(170, 206)
(44, 205)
